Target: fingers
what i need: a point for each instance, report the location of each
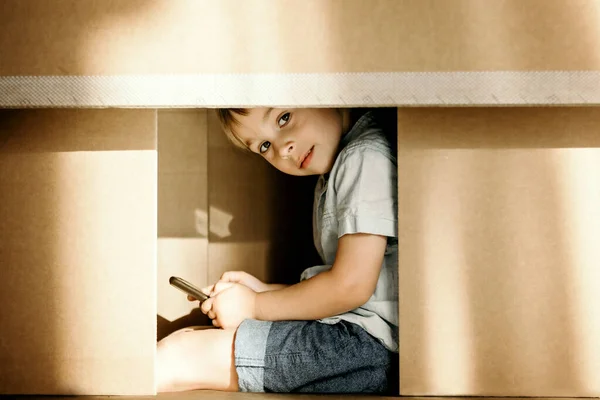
(207, 290)
(233, 276)
(245, 279)
(206, 306)
(220, 286)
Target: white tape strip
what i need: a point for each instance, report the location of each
(341, 89)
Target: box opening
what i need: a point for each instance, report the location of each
(222, 209)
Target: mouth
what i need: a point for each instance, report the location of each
(305, 160)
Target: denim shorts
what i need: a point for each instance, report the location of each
(312, 357)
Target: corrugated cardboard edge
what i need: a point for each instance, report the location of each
(493, 88)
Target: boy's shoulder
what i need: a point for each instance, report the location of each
(369, 134)
(366, 155)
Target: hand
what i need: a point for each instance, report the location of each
(231, 305)
(245, 279)
(240, 277)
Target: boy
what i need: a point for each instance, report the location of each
(336, 330)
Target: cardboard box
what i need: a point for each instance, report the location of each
(77, 251)
(497, 264)
(496, 206)
(112, 37)
(499, 278)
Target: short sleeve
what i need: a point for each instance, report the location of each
(366, 195)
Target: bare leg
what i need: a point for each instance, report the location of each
(196, 359)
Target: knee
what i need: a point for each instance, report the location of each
(195, 359)
(170, 373)
(164, 377)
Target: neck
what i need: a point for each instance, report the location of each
(346, 120)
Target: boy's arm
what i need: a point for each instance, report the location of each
(275, 286)
(347, 285)
(247, 280)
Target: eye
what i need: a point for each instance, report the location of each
(264, 147)
(284, 119)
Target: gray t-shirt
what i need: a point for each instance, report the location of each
(359, 195)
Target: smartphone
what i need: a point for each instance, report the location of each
(188, 288)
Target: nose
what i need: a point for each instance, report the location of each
(287, 149)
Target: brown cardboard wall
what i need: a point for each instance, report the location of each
(182, 214)
(86, 37)
(77, 251)
(498, 223)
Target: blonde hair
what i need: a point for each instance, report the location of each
(228, 120)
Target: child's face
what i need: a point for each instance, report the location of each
(296, 141)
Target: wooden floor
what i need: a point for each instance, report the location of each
(213, 395)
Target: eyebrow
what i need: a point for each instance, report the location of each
(267, 114)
